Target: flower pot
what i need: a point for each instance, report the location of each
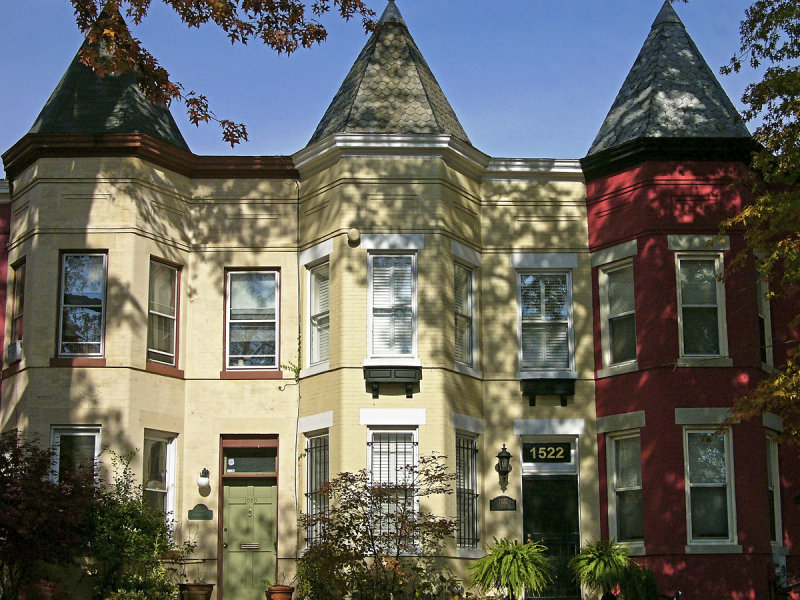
(196, 591)
(280, 592)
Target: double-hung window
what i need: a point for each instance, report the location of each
(159, 471)
(319, 283)
(625, 488)
(467, 490)
(393, 306)
(392, 458)
(701, 306)
(18, 308)
(82, 306)
(252, 319)
(464, 287)
(317, 475)
(618, 318)
(546, 320)
(75, 448)
(709, 486)
(764, 323)
(162, 313)
(774, 492)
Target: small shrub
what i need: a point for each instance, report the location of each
(639, 583)
(513, 567)
(601, 566)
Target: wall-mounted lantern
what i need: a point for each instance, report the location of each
(203, 481)
(503, 467)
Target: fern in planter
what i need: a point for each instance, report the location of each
(601, 566)
(513, 567)
(639, 583)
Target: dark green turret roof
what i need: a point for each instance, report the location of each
(390, 89)
(84, 102)
(670, 92)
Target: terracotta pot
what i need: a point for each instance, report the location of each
(196, 591)
(280, 592)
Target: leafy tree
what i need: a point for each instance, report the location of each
(40, 520)
(770, 40)
(513, 567)
(283, 25)
(376, 540)
(129, 540)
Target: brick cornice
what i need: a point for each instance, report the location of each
(34, 146)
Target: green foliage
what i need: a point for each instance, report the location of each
(513, 567)
(375, 540)
(129, 540)
(40, 520)
(638, 583)
(601, 565)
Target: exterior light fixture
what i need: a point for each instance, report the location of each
(203, 481)
(503, 466)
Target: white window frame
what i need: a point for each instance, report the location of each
(731, 539)
(228, 320)
(635, 547)
(702, 359)
(474, 486)
(375, 429)
(171, 440)
(310, 465)
(370, 308)
(61, 305)
(765, 317)
(173, 362)
(317, 360)
(605, 319)
(18, 301)
(472, 358)
(546, 372)
(59, 431)
(774, 485)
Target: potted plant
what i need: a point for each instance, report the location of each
(513, 567)
(601, 566)
(278, 591)
(196, 590)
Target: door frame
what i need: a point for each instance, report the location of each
(244, 440)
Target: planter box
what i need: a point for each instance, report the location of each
(280, 592)
(196, 591)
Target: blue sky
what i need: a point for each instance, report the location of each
(527, 78)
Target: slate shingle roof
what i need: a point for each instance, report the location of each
(669, 92)
(390, 89)
(83, 102)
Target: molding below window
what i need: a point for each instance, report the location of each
(712, 548)
(634, 548)
(467, 370)
(316, 369)
(621, 422)
(251, 375)
(547, 374)
(470, 553)
(85, 361)
(779, 549)
(162, 369)
(700, 361)
(409, 361)
(628, 367)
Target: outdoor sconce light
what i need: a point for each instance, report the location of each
(503, 467)
(203, 481)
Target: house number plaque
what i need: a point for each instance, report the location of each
(546, 452)
(502, 503)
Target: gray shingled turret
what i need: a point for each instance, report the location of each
(390, 89)
(670, 92)
(83, 102)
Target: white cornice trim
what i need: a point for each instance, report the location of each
(327, 152)
(521, 168)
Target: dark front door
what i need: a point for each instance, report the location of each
(550, 515)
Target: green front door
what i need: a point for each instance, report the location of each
(249, 519)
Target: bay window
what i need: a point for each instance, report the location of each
(393, 309)
(82, 307)
(701, 306)
(625, 488)
(618, 318)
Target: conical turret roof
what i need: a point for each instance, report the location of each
(390, 89)
(84, 102)
(670, 92)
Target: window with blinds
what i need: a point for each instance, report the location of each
(546, 314)
(464, 315)
(467, 491)
(392, 299)
(317, 475)
(319, 309)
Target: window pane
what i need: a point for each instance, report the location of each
(463, 339)
(463, 290)
(84, 279)
(391, 280)
(155, 465)
(252, 345)
(319, 313)
(320, 334)
(700, 331)
(319, 289)
(160, 337)
(75, 452)
(252, 295)
(623, 338)
(620, 291)
(467, 491)
(81, 330)
(530, 297)
(392, 331)
(698, 282)
(630, 522)
(628, 462)
(709, 512)
(545, 345)
(706, 458)
(162, 288)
